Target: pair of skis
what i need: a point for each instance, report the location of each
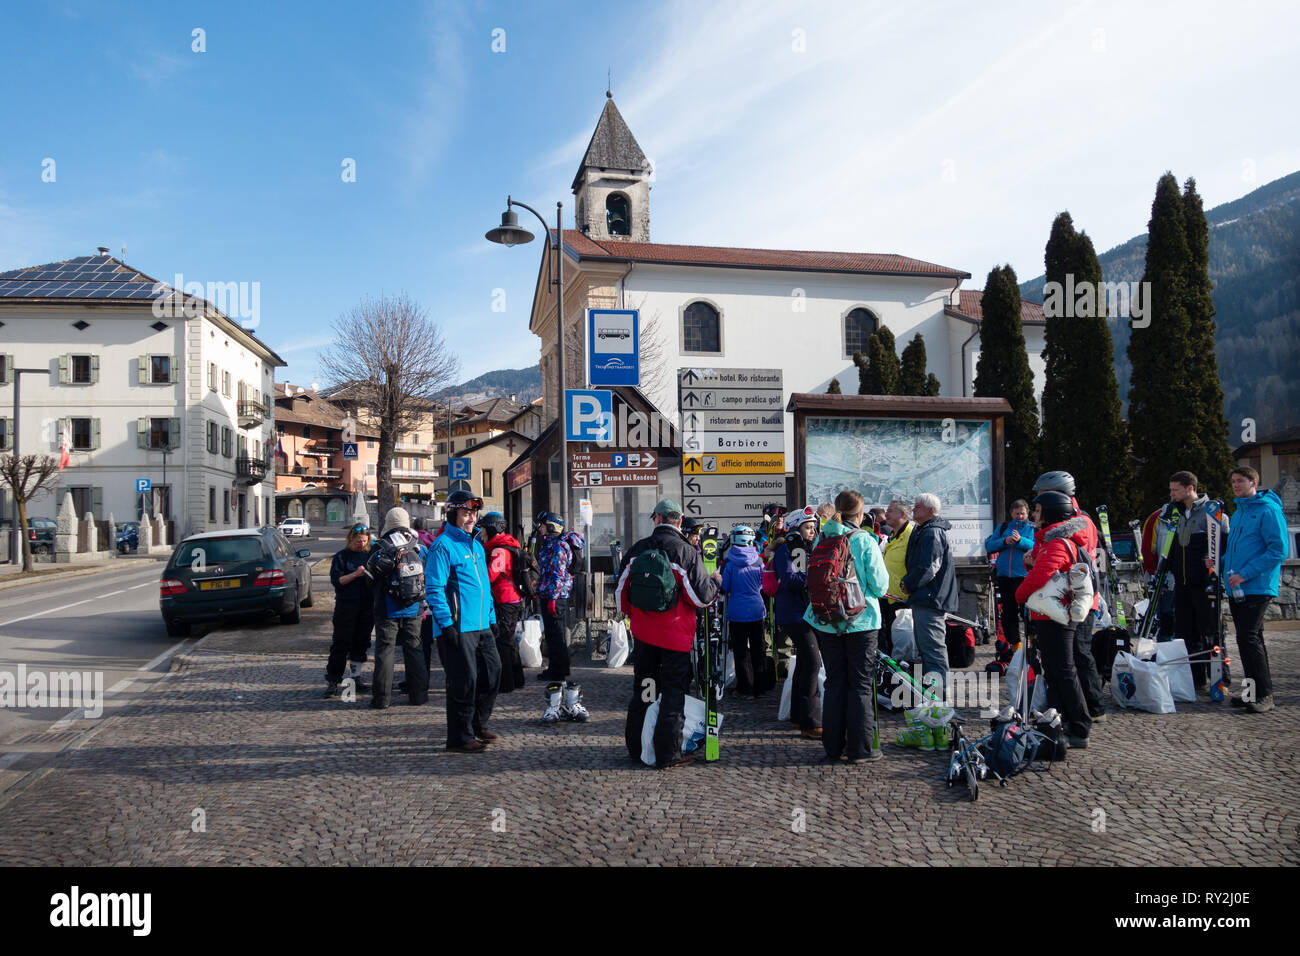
(711, 673)
(1219, 677)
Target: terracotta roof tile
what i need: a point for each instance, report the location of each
(1031, 313)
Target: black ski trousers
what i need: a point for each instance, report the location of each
(473, 670)
(557, 651)
(658, 673)
(512, 666)
(1055, 644)
(1195, 623)
(806, 692)
(353, 623)
(1010, 609)
(1085, 665)
(848, 717)
(750, 650)
(1248, 618)
(389, 632)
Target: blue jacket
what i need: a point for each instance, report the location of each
(869, 564)
(1011, 558)
(456, 582)
(1257, 543)
(792, 584)
(742, 582)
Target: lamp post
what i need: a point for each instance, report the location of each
(510, 233)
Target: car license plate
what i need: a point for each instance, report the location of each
(220, 584)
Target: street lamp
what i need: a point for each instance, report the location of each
(510, 233)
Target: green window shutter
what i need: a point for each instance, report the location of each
(65, 369)
(6, 363)
(5, 431)
(173, 370)
(143, 370)
(174, 434)
(97, 502)
(94, 369)
(142, 432)
(94, 434)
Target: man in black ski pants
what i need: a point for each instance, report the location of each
(1194, 618)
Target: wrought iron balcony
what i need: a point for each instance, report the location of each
(252, 470)
(251, 414)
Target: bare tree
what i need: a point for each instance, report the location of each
(29, 477)
(393, 360)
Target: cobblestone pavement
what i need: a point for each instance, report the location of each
(281, 776)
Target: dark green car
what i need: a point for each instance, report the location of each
(219, 575)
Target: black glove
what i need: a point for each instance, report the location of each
(451, 633)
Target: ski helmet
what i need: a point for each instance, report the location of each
(463, 499)
(743, 535)
(1056, 506)
(493, 523)
(795, 518)
(1061, 481)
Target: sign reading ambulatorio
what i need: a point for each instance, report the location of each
(613, 347)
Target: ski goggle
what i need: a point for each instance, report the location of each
(795, 518)
(472, 504)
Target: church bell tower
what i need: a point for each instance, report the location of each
(612, 185)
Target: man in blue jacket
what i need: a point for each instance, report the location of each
(460, 597)
(930, 586)
(1011, 541)
(1252, 563)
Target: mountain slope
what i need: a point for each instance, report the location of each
(1255, 267)
(525, 384)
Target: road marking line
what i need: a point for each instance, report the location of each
(109, 594)
(145, 585)
(62, 607)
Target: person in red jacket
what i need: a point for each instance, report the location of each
(661, 665)
(502, 552)
(1057, 523)
(1084, 534)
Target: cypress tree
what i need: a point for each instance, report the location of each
(1212, 457)
(1082, 429)
(864, 384)
(1161, 398)
(912, 380)
(931, 385)
(1003, 372)
(834, 387)
(882, 369)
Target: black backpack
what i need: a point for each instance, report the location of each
(524, 571)
(1009, 749)
(651, 585)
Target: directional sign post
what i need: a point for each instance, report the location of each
(614, 469)
(733, 442)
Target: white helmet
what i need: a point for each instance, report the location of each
(799, 516)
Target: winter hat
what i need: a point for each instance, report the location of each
(396, 518)
(1056, 506)
(668, 508)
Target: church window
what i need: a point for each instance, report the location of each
(701, 328)
(859, 324)
(618, 218)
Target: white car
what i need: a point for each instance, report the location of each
(294, 527)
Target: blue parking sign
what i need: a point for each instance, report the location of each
(142, 486)
(589, 415)
(458, 469)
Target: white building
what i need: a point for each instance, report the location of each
(181, 398)
(726, 307)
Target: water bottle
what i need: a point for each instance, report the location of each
(1238, 594)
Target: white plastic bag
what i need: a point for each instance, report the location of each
(617, 653)
(692, 730)
(1181, 684)
(729, 681)
(902, 633)
(1144, 648)
(1015, 670)
(787, 689)
(1142, 685)
(528, 634)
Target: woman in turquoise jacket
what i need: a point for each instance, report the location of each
(849, 650)
(1252, 565)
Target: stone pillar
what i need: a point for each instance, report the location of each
(88, 542)
(159, 536)
(65, 531)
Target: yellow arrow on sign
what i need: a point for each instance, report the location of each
(737, 464)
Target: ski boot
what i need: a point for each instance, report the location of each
(332, 690)
(571, 708)
(554, 702)
(354, 671)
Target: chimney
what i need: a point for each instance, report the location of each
(103, 250)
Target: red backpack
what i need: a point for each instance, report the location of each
(834, 593)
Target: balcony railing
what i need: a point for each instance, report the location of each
(414, 473)
(253, 470)
(410, 448)
(251, 414)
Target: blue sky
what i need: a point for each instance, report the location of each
(950, 132)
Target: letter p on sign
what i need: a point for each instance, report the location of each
(590, 415)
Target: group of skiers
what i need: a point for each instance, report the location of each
(472, 582)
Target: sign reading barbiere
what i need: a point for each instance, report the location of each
(613, 347)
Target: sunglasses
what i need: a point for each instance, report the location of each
(359, 528)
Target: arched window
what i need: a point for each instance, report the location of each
(858, 326)
(618, 217)
(701, 328)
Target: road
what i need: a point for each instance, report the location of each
(106, 626)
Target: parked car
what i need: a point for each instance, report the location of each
(40, 534)
(218, 575)
(295, 527)
(128, 536)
